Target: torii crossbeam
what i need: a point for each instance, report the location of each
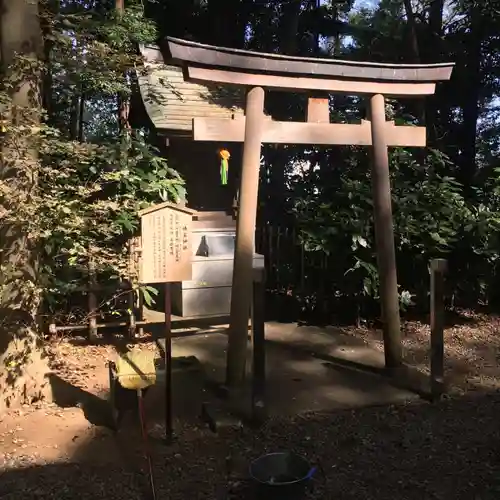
(278, 72)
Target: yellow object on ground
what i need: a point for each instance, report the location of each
(136, 369)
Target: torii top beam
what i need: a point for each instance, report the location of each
(243, 67)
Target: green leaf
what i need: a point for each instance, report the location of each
(147, 292)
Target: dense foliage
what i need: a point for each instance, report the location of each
(92, 175)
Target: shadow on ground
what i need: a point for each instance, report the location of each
(414, 452)
(96, 409)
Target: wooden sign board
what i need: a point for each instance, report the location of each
(166, 243)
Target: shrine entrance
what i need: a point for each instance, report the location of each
(257, 71)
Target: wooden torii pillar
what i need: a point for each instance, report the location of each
(257, 71)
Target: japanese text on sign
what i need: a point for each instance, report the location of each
(166, 244)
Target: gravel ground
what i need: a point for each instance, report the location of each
(415, 452)
(472, 348)
(449, 450)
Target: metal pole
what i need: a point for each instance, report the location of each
(438, 268)
(168, 366)
(241, 296)
(384, 235)
(132, 324)
(52, 329)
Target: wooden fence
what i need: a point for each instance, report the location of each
(92, 296)
(295, 278)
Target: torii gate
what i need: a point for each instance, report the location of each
(278, 72)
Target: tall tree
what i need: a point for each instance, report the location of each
(23, 366)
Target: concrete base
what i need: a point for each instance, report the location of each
(308, 369)
(218, 418)
(296, 380)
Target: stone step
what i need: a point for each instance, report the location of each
(220, 223)
(211, 215)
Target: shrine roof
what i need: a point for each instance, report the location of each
(171, 102)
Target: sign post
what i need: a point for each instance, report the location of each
(168, 365)
(166, 258)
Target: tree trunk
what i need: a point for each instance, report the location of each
(436, 9)
(278, 104)
(123, 101)
(289, 27)
(412, 25)
(81, 117)
(415, 53)
(470, 106)
(51, 8)
(435, 44)
(74, 118)
(23, 363)
(229, 19)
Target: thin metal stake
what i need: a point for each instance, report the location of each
(168, 366)
(142, 418)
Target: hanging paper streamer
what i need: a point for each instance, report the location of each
(224, 165)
